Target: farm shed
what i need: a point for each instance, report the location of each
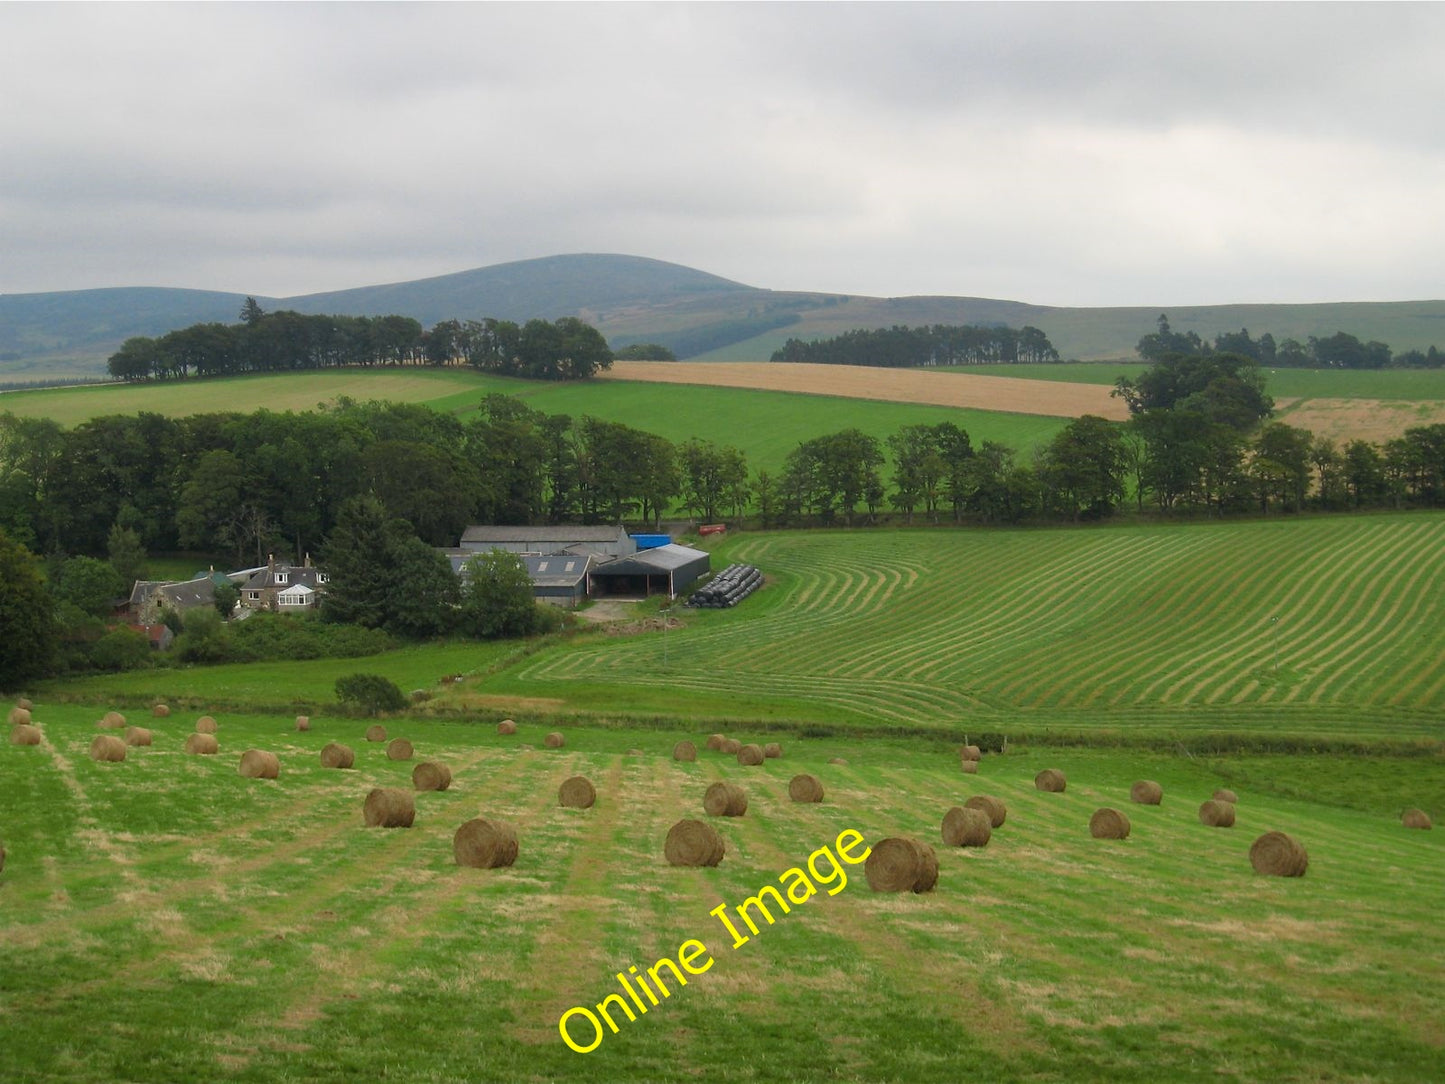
(664, 570)
(557, 578)
(602, 541)
(560, 578)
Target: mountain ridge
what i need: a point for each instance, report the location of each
(640, 299)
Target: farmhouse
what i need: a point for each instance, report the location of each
(661, 570)
(284, 588)
(600, 541)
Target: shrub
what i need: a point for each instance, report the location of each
(121, 649)
(369, 693)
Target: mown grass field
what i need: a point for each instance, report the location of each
(165, 919)
(1156, 630)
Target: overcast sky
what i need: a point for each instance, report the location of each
(1072, 154)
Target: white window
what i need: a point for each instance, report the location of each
(254, 596)
(542, 567)
(570, 566)
(322, 577)
(280, 577)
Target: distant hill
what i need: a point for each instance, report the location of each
(634, 299)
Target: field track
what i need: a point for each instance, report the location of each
(1002, 393)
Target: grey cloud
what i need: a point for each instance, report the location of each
(1053, 153)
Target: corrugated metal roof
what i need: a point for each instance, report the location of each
(543, 534)
(667, 558)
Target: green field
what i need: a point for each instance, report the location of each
(765, 425)
(166, 919)
(1134, 630)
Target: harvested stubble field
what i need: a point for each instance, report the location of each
(955, 388)
(165, 919)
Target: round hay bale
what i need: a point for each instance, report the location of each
(772, 750)
(968, 767)
(399, 749)
(725, 800)
(1051, 780)
(259, 764)
(730, 746)
(1278, 855)
(805, 788)
(1415, 818)
(836, 760)
(693, 843)
(107, 747)
(994, 807)
(161, 711)
(970, 752)
(506, 726)
(387, 807)
(206, 725)
(577, 793)
(111, 720)
(554, 740)
(901, 865)
(25, 734)
(336, 755)
(965, 827)
(1146, 792)
(429, 775)
(1225, 796)
(24, 702)
(376, 732)
(684, 750)
(715, 742)
(19, 716)
(750, 756)
(137, 735)
(484, 844)
(303, 722)
(1217, 814)
(1109, 823)
(202, 745)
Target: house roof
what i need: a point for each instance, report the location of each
(200, 592)
(559, 535)
(295, 574)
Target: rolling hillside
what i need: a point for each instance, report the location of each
(634, 299)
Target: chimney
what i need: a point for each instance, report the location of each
(307, 563)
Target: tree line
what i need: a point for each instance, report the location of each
(901, 347)
(1338, 351)
(286, 341)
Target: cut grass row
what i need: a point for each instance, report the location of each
(168, 919)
